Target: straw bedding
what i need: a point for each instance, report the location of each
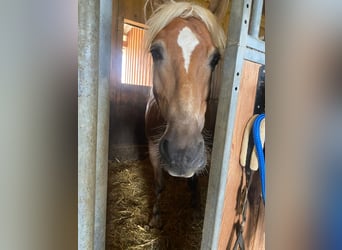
(130, 201)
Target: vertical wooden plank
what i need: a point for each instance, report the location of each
(245, 108)
(116, 50)
(134, 10)
(257, 240)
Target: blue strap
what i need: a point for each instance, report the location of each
(260, 153)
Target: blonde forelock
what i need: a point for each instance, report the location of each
(165, 13)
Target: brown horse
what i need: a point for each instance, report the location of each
(186, 43)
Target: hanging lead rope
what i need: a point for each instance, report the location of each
(258, 142)
(239, 240)
(257, 125)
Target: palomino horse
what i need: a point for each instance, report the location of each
(186, 43)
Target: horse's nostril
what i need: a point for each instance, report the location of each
(164, 147)
(200, 146)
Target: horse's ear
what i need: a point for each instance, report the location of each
(160, 2)
(219, 8)
(154, 4)
(151, 5)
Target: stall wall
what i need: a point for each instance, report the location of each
(254, 228)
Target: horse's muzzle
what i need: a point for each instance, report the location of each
(185, 161)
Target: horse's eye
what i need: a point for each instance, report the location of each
(156, 54)
(214, 60)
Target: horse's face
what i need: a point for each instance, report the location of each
(184, 57)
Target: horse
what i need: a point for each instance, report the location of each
(186, 43)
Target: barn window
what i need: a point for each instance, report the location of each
(136, 62)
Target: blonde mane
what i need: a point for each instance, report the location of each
(165, 13)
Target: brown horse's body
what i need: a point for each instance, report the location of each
(184, 55)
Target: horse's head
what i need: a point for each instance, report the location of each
(184, 56)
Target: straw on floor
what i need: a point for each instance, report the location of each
(130, 201)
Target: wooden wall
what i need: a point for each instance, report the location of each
(254, 229)
(137, 63)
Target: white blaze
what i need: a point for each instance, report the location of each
(188, 42)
